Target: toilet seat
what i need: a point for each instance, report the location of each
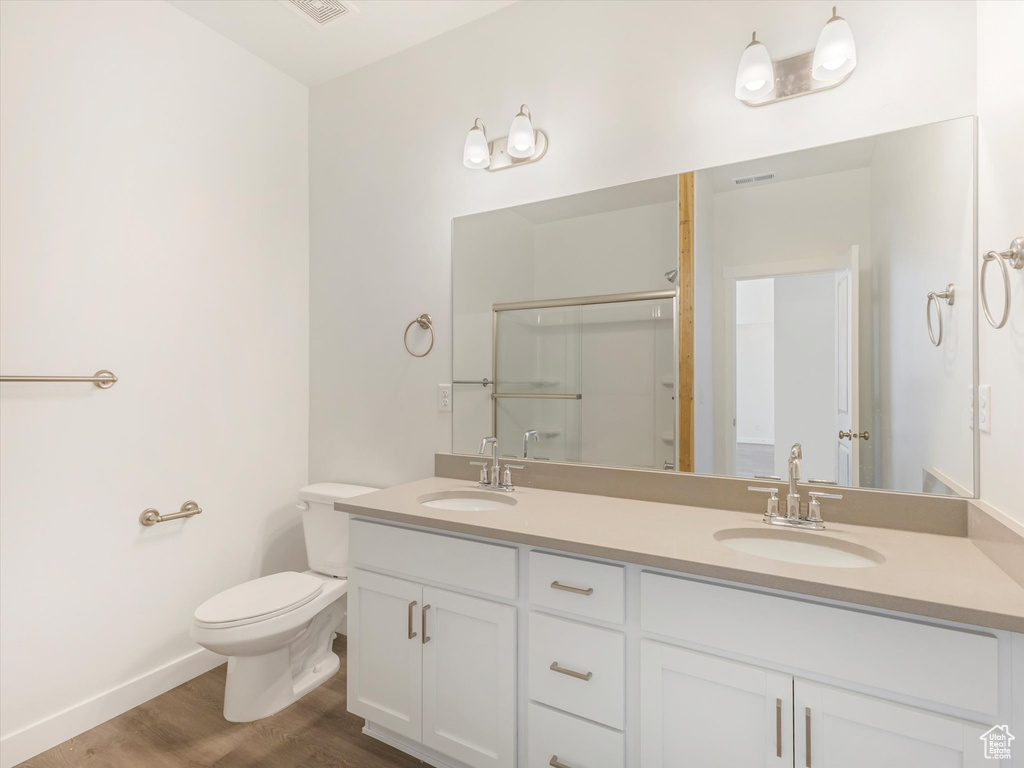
(258, 600)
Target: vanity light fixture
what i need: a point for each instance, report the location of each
(523, 145)
(835, 54)
(521, 139)
(756, 76)
(476, 153)
(761, 81)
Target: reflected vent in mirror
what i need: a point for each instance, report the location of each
(320, 12)
(743, 180)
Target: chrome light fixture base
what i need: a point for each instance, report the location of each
(792, 79)
(501, 159)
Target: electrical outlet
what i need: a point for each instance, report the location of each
(985, 408)
(970, 406)
(444, 398)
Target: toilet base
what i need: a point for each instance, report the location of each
(259, 686)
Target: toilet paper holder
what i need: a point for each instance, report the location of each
(152, 516)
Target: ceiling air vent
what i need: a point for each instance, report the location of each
(743, 180)
(320, 12)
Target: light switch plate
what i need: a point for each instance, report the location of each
(444, 398)
(985, 408)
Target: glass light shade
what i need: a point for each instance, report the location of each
(756, 75)
(476, 153)
(835, 55)
(521, 139)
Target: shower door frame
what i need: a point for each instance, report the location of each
(579, 301)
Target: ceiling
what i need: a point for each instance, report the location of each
(281, 36)
(831, 158)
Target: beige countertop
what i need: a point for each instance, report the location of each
(944, 577)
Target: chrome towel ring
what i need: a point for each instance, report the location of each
(933, 298)
(1015, 255)
(425, 322)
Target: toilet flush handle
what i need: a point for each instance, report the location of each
(302, 506)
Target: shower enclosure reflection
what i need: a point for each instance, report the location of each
(784, 301)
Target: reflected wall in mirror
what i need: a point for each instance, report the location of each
(708, 321)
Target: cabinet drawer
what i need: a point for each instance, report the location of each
(953, 667)
(582, 587)
(578, 668)
(469, 565)
(576, 743)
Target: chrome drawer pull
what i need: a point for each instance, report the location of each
(423, 624)
(411, 606)
(778, 727)
(574, 590)
(563, 671)
(555, 763)
(807, 736)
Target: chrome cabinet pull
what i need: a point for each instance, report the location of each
(571, 673)
(778, 727)
(412, 605)
(423, 624)
(807, 735)
(556, 763)
(574, 590)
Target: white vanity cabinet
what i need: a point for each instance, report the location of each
(840, 729)
(700, 710)
(431, 665)
(465, 652)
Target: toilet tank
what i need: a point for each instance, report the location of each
(325, 529)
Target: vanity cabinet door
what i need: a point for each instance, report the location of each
(840, 729)
(700, 711)
(384, 651)
(469, 678)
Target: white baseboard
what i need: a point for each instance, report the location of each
(31, 740)
(420, 752)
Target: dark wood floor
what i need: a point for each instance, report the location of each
(184, 728)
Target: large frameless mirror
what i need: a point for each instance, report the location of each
(706, 322)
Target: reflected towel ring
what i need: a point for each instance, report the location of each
(1014, 255)
(425, 322)
(933, 298)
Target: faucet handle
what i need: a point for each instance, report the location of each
(814, 506)
(484, 480)
(772, 509)
(506, 479)
(765, 477)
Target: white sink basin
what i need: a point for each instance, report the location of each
(467, 501)
(799, 547)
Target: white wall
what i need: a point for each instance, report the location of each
(921, 240)
(755, 361)
(154, 195)
(805, 373)
(386, 176)
(759, 228)
(1000, 219)
(613, 252)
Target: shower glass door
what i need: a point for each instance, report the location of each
(597, 381)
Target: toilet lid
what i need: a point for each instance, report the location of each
(260, 598)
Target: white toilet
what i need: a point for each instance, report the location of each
(277, 630)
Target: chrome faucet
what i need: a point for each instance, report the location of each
(793, 497)
(494, 475)
(490, 476)
(526, 441)
(812, 520)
